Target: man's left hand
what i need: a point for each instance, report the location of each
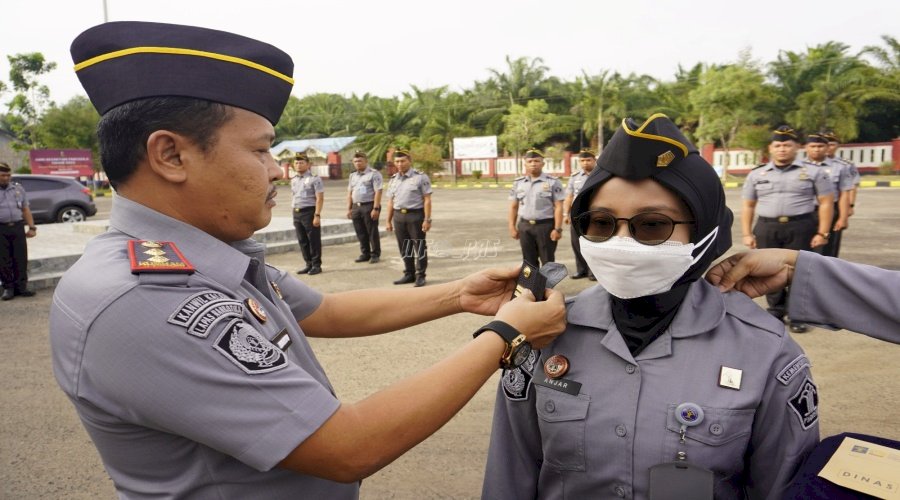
(31, 233)
(484, 292)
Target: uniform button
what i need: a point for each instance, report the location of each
(620, 491)
(550, 406)
(629, 369)
(716, 429)
(621, 431)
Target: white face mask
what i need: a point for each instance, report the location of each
(628, 269)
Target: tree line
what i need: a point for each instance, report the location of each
(733, 105)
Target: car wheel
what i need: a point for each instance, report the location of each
(70, 214)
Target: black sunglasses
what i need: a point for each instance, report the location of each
(647, 228)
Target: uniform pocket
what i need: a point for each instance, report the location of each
(561, 418)
(717, 443)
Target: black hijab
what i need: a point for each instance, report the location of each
(656, 149)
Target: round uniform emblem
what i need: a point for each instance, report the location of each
(556, 366)
(689, 414)
(277, 290)
(256, 310)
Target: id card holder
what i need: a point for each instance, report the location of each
(679, 481)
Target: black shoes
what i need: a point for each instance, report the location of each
(25, 292)
(305, 270)
(362, 258)
(420, 281)
(578, 276)
(374, 260)
(407, 278)
(799, 328)
(8, 294)
(315, 270)
(592, 278)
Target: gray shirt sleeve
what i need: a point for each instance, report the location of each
(425, 185)
(559, 193)
(302, 299)
(377, 181)
(823, 184)
(748, 191)
(157, 375)
(839, 294)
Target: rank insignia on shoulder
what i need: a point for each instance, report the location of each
(157, 257)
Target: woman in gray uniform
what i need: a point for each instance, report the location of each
(662, 386)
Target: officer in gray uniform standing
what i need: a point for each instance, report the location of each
(784, 194)
(14, 215)
(839, 173)
(833, 145)
(661, 384)
(308, 197)
(184, 354)
(409, 210)
(586, 158)
(364, 207)
(535, 211)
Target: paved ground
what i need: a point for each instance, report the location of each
(45, 453)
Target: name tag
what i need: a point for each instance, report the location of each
(559, 384)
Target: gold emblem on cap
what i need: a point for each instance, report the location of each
(150, 244)
(256, 310)
(277, 289)
(556, 366)
(664, 159)
(527, 272)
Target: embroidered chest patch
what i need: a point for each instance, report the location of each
(517, 381)
(249, 349)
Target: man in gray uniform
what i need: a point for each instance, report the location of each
(828, 292)
(535, 211)
(14, 215)
(409, 209)
(586, 158)
(184, 354)
(364, 207)
(784, 193)
(308, 197)
(718, 394)
(839, 173)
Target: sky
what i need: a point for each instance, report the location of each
(384, 47)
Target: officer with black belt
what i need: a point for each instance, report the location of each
(14, 214)
(535, 211)
(308, 198)
(587, 159)
(364, 207)
(784, 194)
(409, 206)
(840, 176)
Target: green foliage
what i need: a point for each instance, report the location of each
(73, 125)
(476, 174)
(27, 105)
(426, 157)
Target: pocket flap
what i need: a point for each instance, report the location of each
(719, 425)
(556, 406)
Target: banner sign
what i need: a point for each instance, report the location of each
(64, 162)
(465, 148)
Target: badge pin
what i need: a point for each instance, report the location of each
(256, 310)
(730, 378)
(688, 415)
(277, 289)
(556, 366)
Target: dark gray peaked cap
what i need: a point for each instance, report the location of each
(124, 61)
(657, 149)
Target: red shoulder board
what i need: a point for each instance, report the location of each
(157, 257)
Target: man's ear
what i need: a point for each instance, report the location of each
(169, 155)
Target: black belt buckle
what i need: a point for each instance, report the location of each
(783, 219)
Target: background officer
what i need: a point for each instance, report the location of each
(833, 145)
(14, 214)
(587, 159)
(308, 198)
(409, 207)
(185, 355)
(535, 211)
(839, 173)
(784, 194)
(364, 207)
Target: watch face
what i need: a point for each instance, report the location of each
(521, 354)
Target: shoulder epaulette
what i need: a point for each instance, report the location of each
(519, 178)
(157, 257)
(760, 165)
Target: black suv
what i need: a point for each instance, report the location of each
(57, 199)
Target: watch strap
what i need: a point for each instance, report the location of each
(502, 328)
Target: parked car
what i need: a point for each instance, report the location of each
(57, 199)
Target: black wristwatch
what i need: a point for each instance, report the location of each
(376, 208)
(517, 346)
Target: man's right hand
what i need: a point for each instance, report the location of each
(755, 273)
(514, 233)
(749, 241)
(540, 322)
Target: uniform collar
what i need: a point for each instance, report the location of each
(795, 163)
(308, 173)
(409, 173)
(212, 257)
(542, 177)
(365, 171)
(702, 310)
